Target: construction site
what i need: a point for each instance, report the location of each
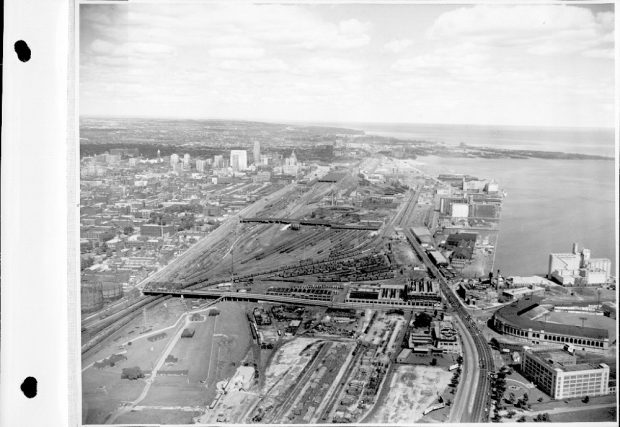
(294, 310)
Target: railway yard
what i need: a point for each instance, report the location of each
(294, 310)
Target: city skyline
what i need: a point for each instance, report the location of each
(351, 63)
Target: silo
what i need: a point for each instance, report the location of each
(91, 297)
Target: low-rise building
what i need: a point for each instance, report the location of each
(445, 336)
(518, 293)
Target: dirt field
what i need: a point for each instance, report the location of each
(412, 389)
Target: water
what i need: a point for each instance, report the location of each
(568, 140)
(550, 204)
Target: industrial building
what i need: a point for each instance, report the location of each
(609, 309)
(578, 268)
(557, 374)
(392, 294)
(518, 293)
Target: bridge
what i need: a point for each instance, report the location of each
(282, 299)
(312, 222)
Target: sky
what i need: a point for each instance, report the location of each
(533, 65)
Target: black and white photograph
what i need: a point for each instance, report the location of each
(373, 213)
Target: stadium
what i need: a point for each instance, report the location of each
(530, 321)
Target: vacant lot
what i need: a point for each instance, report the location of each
(211, 355)
(219, 342)
(412, 389)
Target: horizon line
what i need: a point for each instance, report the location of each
(338, 123)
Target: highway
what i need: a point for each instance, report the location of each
(477, 411)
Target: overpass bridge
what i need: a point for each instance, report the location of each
(282, 299)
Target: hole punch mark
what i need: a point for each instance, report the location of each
(23, 50)
(29, 387)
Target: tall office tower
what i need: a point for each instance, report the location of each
(200, 165)
(238, 160)
(186, 160)
(174, 159)
(256, 152)
(218, 161)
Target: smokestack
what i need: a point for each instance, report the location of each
(575, 248)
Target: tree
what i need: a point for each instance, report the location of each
(511, 398)
(434, 362)
(459, 360)
(494, 343)
(86, 262)
(525, 398)
(586, 399)
(423, 320)
(128, 230)
(521, 419)
(132, 373)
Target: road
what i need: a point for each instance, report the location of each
(462, 405)
(480, 398)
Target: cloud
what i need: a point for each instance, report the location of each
(397, 46)
(264, 65)
(237, 53)
(536, 29)
(330, 65)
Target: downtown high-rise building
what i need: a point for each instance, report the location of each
(238, 160)
(186, 161)
(200, 165)
(256, 152)
(174, 159)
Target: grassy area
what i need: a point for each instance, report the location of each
(213, 353)
(590, 415)
(104, 391)
(157, 416)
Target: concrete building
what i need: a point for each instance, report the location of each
(459, 210)
(174, 159)
(517, 293)
(218, 161)
(609, 309)
(238, 160)
(256, 152)
(186, 161)
(578, 268)
(445, 336)
(557, 374)
(201, 165)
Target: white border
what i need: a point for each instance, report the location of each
(40, 221)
